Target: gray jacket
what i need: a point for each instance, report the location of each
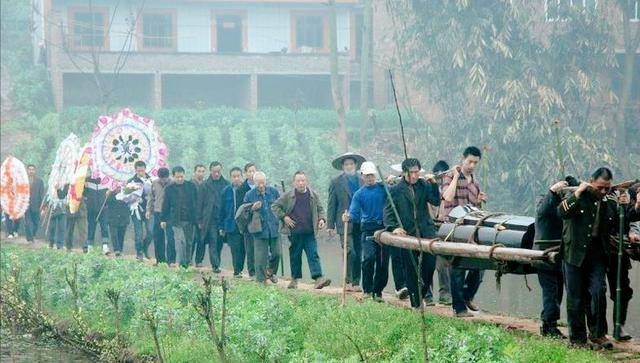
(156, 196)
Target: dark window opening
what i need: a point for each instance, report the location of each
(310, 31)
(229, 33)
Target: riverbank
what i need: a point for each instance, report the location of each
(261, 323)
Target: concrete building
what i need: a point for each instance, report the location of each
(162, 53)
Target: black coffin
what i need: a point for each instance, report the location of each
(470, 225)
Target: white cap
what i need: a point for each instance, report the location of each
(368, 168)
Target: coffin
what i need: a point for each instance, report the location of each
(466, 223)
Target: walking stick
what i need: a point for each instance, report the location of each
(618, 313)
(345, 248)
(106, 195)
(281, 252)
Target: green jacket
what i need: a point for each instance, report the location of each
(284, 205)
(579, 215)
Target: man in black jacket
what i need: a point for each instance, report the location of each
(248, 184)
(95, 196)
(549, 227)
(632, 214)
(411, 197)
(589, 216)
(341, 190)
(210, 201)
(180, 214)
(199, 172)
(36, 194)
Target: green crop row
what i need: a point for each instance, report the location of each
(262, 323)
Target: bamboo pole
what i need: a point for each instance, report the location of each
(345, 249)
(437, 247)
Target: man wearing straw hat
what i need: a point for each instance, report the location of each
(341, 191)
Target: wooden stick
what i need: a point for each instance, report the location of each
(106, 196)
(345, 249)
(486, 252)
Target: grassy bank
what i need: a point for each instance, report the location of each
(263, 324)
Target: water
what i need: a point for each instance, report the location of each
(24, 348)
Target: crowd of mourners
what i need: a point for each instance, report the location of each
(184, 219)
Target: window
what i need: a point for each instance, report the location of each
(158, 30)
(310, 32)
(229, 31)
(88, 28)
(558, 10)
(633, 10)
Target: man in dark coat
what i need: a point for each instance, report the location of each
(632, 214)
(36, 195)
(247, 185)
(548, 228)
(232, 197)
(411, 198)
(199, 172)
(210, 204)
(589, 216)
(142, 227)
(341, 190)
(179, 213)
(94, 198)
(118, 214)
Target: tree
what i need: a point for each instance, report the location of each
(499, 81)
(105, 80)
(336, 87)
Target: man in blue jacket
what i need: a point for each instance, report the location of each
(231, 201)
(367, 207)
(266, 247)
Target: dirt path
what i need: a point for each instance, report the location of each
(627, 351)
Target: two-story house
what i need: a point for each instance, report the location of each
(161, 53)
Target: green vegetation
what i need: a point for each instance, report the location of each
(263, 323)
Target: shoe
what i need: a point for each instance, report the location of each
(402, 294)
(293, 284)
(139, 257)
(429, 302)
(105, 248)
(321, 282)
(444, 301)
(377, 297)
(551, 332)
(464, 314)
(89, 248)
(172, 265)
(273, 278)
(356, 288)
(198, 265)
(85, 249)
(118, 253)
(602, 342)
(50, 245)
(624, 336)
(471, 306)
(10, 236)
(216, 270)
(237, 276)
(67, 249)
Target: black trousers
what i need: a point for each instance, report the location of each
(397, 267)
(117, 237)
(236, 243)
(164, 244)
(586, 298)
(551, 282)
(375, 264)
(32, 221)
(411, 262)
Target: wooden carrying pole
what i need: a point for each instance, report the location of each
(345, 249)
(438, 247)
